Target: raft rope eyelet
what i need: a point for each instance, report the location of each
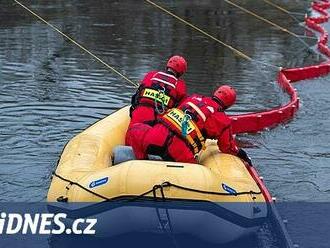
(154, 189)
(160, 99)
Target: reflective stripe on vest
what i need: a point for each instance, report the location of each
(164, 82)
(198, 110)
(167, 75)
(175, 117)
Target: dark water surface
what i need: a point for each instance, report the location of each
(50, 90)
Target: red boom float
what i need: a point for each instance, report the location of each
(254, 122)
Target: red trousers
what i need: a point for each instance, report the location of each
(143, 114)
(135, 136)
(158, 140)
(140, 115)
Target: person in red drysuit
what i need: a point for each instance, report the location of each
(180, 133)
(158, 92)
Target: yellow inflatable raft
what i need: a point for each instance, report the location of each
(85, 166)
(85, 173)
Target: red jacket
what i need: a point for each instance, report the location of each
(157, 92)
(208, 122)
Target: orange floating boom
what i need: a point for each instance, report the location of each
(254, 122)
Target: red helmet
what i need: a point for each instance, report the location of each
(226, 95)
(178, 64)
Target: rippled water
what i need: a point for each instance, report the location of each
(50, 90)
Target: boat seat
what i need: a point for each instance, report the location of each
(125, 153)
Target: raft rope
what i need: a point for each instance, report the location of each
(80, 186)
(155, 188)
(234, 50)
(270, 23)
(290, 13)
(77, 44)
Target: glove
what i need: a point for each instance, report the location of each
(131, 109)
(134, 102)
(243, 155)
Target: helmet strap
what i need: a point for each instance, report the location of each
(222, 106)
(172, 72)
